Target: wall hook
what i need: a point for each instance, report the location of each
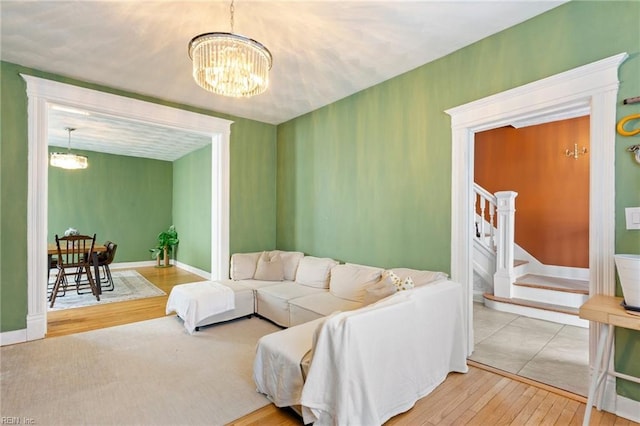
(576, 152)
(620, 127)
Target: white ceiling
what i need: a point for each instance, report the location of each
(323, 50)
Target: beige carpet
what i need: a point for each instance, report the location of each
(147, 373)
(128, 285)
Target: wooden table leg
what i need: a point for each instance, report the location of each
(96, 272)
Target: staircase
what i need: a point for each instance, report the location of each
(521, 286)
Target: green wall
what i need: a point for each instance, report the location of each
(192, 208)
(126, 200)
(252, 186)
(252, 152)
(368, 178)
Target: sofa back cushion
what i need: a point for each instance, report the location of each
(351, 281)
(243, 265)
(419, 277)
(290, 260)
(270, 267)
(314, 271)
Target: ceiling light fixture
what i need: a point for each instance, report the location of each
(67, 160)
(229, 64)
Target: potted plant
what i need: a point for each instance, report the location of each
(167, 240)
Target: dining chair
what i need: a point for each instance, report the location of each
(104, 260)
(53, 264)
(74, 259)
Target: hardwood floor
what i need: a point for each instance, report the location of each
(483, 396)
(69, 321)
(480, 397)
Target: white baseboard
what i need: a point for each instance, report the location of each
(13, 337)
(204, 274)
(627, 408)
(478, 296)
(619, 405)
(130, 265)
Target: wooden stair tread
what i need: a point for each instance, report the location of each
(532, 304)
(518, 262)
(553, 283)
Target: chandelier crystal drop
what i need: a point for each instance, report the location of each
(67, 160)
(230, 64)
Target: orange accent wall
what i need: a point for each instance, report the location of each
(552, 206)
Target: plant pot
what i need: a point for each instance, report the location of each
(629, 272)
(166, 257)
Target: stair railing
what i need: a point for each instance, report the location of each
(485, 208)
(505, 274)
(495, 230)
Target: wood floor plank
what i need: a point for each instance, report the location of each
(461, 401)
(516, 407)
(530, 408)
(498, 404)
(567, 413)
(554, 412)
(542, 410)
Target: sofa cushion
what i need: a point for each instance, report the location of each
(383, 288)
(350, 281)
(308, 308)
(419, 277)
(243, 265)
(315, 271)
(270, 267)
(290, 260)
(272, 302)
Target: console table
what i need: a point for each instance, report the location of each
(607, 311)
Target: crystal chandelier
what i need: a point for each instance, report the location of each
(67, 160)
(229, 64)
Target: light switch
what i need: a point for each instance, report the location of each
(632, 214)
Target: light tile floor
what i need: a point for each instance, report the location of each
(551, 353)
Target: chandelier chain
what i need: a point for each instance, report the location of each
(232, 9)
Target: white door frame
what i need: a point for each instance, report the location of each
(41, 93)
(593, 86)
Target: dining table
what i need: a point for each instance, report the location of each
(52, 249)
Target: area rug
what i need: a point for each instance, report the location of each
(147, 373)
(128, 285)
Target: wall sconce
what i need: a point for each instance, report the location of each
(576, 152)
(636, 152)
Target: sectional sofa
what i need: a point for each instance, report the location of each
(290, 288)
(360, 345)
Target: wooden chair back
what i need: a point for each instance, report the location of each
(74, 251)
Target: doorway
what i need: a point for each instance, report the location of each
(593, 87)
(41, 93)
(521, 335)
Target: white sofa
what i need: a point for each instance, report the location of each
(289, 288)
(357, 349)
(366, 365)
(312, 287)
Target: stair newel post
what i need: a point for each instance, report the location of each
(505, 274)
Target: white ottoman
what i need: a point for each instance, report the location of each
(208, 302)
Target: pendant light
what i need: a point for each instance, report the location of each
(67, 160)
(230, 64)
